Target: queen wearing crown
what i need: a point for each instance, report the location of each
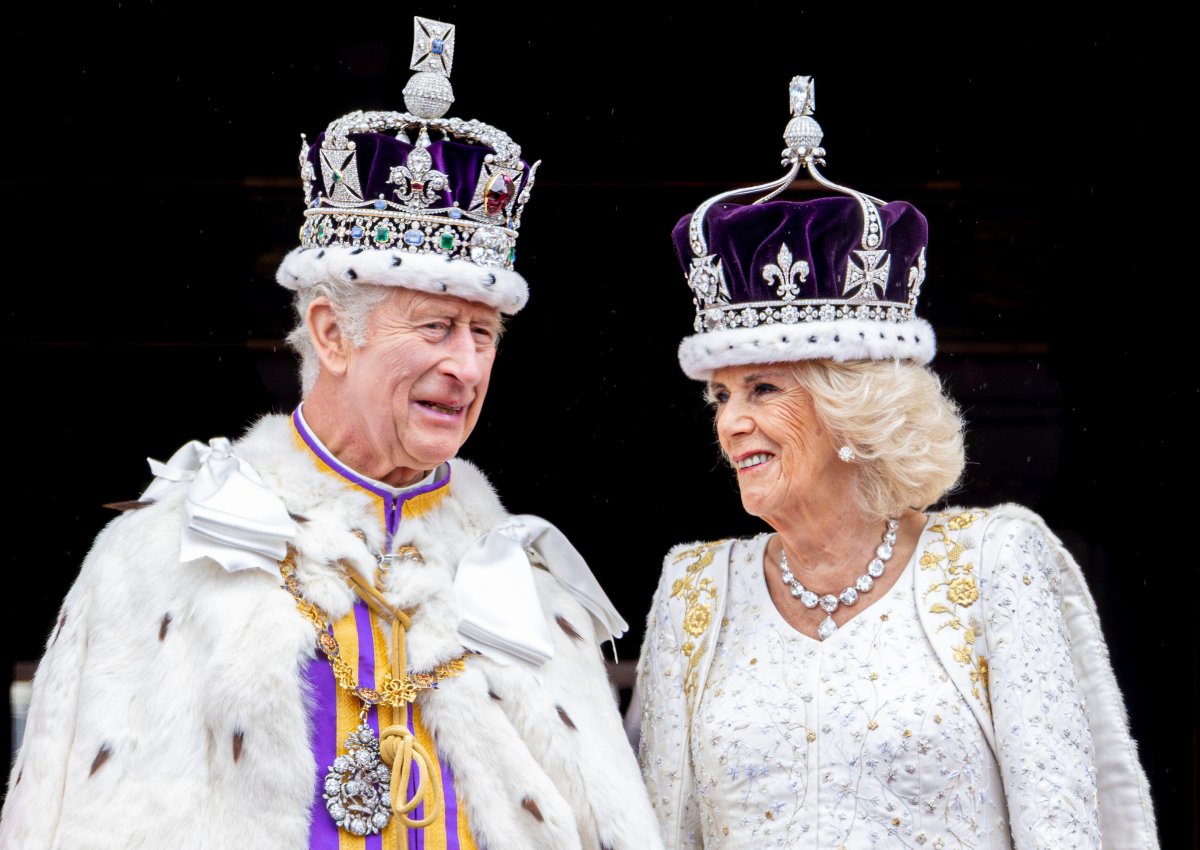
(873, 673)
(329, 634)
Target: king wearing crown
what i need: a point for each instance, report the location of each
(329, 633)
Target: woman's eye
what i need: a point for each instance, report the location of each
(763, 389)
(719, 397)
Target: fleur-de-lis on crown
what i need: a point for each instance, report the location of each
(418, 183)
(785, 272)
(707, 280)
(916, 277)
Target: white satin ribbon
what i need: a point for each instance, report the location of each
(499, 612)
(231, 515)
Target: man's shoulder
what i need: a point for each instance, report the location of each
(144, 540)
(475, 495)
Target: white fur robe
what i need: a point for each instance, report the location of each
(170, 707)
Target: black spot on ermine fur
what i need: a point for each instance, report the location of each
(530, 806)
(130, 505)
(58, 630)
(565, 625)
(166, 624)
(100, 759)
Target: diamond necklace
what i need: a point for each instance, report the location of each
(830, 603)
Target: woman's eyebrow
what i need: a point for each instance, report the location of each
(758, 376)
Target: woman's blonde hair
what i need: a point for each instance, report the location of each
(907, 435)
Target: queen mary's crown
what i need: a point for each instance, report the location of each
(835, 277)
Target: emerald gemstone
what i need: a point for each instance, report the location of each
(381, 234)
(337, 177)
(321, 232)
(447, 241)
(512, 254)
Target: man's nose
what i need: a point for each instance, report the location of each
(465, 361)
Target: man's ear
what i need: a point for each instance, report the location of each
(328, 338)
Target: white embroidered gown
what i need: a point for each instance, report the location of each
(858, 741)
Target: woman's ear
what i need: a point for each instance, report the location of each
(328, 338)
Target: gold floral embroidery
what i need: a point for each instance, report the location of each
(698, 593)
(958, 587)
(697, 619)
(962, 591)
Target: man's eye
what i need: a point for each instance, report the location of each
(484, 334)
(439, 327)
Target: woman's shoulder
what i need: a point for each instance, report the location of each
(988, 524)
(999, 539)
(702, 567)
(699, 554)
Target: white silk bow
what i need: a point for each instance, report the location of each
(499, 612)
(230, 514)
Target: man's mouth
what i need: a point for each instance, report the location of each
(441, 407)
(751, 460)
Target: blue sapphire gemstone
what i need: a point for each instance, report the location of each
(437, 47)
(455, 212)
(356, 232)
(381, 204)
(414, 237)
(308, 232)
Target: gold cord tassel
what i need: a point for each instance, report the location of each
(397, 746)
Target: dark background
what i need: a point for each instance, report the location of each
(150, 189)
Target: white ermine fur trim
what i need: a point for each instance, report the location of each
(171, 709)
(500, 288)
(844, 339)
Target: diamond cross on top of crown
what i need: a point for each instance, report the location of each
(433, 46)
(802, 95)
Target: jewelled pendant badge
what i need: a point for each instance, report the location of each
(358, 785)
(420, 213)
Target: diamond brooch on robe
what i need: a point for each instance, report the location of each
(358, 785)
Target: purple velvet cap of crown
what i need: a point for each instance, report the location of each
(798, 284)
(379, 153)
(823, 232)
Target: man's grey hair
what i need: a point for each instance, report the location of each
(352, 305)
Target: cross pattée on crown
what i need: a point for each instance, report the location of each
(433, 46)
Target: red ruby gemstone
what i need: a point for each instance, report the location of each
(499, 190)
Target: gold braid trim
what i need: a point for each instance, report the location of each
(698, 593)
(398, 748)
(957, 589)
